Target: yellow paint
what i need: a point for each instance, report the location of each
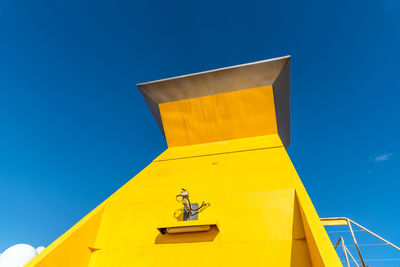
(334, 222)
(74, 248)
(263, 213)
(255, 194)
(225, 116)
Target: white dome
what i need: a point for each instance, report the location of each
(39, 249)
(17, 256)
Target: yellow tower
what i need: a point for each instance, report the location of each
(227, 132)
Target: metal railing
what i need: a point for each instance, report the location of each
(346, 251)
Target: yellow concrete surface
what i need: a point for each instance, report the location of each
(264, 215)
(225, 116)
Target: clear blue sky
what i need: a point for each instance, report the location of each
(74, 128)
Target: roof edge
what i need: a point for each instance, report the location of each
(214, 70)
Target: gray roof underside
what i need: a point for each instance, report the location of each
(274, 72)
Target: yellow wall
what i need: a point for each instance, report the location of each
(74, 248)
(264, 215)
(225, 150)
(225, 116)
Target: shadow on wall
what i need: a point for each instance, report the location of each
(196, 237)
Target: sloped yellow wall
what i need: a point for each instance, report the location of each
(264, 215)
(75, 247)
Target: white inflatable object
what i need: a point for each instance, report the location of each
(39, 249)
(17, 255)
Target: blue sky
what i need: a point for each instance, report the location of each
(74, 128)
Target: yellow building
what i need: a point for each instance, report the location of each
(227, 132)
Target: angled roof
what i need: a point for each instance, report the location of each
(274, 72)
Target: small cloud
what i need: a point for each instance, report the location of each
(382, 157)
